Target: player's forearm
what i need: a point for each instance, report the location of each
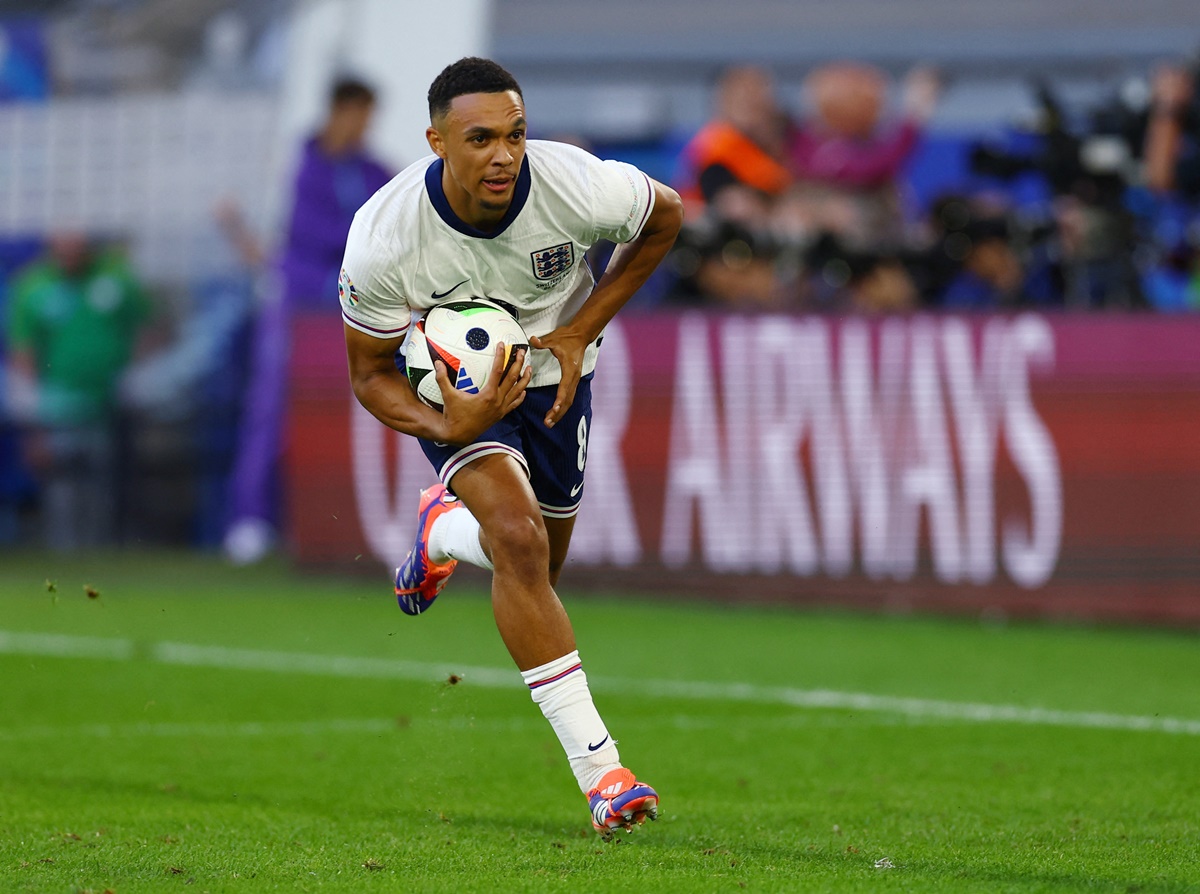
(383, 390)
(631, 264)
(389, 398)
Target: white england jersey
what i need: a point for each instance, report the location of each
(407, 250)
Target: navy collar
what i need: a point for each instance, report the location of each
(433, 186)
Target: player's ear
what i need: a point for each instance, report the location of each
(436, 143)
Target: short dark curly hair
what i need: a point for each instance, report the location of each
(471, 74)
(351, 90)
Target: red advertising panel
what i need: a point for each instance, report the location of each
(1028, 464)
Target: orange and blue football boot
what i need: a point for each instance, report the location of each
(418, 580)
(619, 801)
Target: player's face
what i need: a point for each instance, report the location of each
(482, 139)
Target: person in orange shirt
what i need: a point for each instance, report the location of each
(731, 176)
(742, 147)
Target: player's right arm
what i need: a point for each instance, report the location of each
(384, 391)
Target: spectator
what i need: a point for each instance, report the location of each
(74, 320)
(1000, 268)
(1171, 157)
(738, 270)
(732, 174)
(335, 177)
(736, 160)
(1172, 146)
(845, 281)
(846, 161)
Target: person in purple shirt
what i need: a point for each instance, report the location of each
(848, 160)
(334, 178)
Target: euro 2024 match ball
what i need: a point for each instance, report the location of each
(463, 335)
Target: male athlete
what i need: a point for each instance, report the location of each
(494, 215)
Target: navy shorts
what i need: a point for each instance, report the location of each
(553, 458)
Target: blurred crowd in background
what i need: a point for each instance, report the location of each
(127, 419)
(852, 209)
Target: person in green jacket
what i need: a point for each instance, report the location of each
(74, 318)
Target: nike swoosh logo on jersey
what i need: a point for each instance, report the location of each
(597, 746)
(577, 488)
(438, 296)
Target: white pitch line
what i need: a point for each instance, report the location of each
(191, 655)
(63, 646)
(382, 726)
(228, 729)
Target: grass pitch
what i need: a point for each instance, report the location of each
(170, 724)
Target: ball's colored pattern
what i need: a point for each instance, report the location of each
(463, 335)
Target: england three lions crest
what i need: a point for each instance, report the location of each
(553, 262)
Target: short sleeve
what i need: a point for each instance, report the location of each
(369, 290)
(622, 199)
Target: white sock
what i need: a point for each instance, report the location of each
(455, 535)
(560, 689)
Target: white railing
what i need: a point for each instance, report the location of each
(149, 168)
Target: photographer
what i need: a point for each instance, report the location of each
(1172, 156)
(1094, 234)
(1171, 199)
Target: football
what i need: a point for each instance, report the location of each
(463, 335)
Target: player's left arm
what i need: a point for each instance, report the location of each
(630, 266)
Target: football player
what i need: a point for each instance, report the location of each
(491, 214)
